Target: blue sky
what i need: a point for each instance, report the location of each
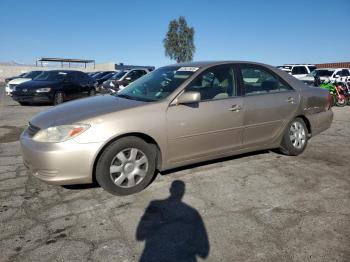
(269, 31)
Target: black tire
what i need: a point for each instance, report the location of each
(104, 162)
(23, 103)
(287, 147)
(341, 104)
(58, 98)
(92, 92)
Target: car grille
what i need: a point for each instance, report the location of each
(32, 130)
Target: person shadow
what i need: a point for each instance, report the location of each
(172, 230)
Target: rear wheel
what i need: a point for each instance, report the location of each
(58, 98)
(295, 137)
(126, 166)
(23, 103)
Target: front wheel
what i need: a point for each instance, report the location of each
(295, 137)
(92, 92)
(126, 166)
(58, 98)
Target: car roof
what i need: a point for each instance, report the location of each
(298, 65)
(332, 68)
(65, 71)
(213, 63)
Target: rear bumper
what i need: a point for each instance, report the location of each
(63, 163)
(320, 121)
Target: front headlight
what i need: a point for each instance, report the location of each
(62, 133)
(43, 90)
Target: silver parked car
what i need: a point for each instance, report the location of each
(174, 116)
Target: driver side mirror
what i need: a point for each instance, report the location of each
(189, 98)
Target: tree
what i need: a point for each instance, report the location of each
(179, 41)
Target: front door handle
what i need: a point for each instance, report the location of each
(235, 108)
(290, 100)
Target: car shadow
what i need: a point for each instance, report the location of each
(81, 186)
(172, 230)
(214, 161)
(174, 170)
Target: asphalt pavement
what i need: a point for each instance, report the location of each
(254, 207)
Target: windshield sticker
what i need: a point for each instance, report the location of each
(188, 69)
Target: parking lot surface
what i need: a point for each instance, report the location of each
(254, 207)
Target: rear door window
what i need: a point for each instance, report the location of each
(257, 80)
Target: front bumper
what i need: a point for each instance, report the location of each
(8, 90)
(33, 98)
(63, 163)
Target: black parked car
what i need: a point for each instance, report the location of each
(121, 79)
(101, 80)
(54, 86)
(101, 74)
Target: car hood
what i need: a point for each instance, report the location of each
(36, 84)
(307, 78)
(82, 110)
(18, 81)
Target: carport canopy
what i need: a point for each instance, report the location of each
(64, 60)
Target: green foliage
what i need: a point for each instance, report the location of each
(179, 41)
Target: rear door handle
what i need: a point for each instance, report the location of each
(235, 108)
(290, 100)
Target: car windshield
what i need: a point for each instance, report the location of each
(97, 75)
(51, 76)
(119, 75)
(32, 74)
(108, 76)
(158, 84)
(322, 72)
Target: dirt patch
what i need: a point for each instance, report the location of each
(10, 133)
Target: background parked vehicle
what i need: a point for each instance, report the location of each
(101, 74)
(331, 74)
(336, 91)
(298, 70)
(54, 86)
(104, 78)
(123, 79)
(175, 116)
(24, 78)
(13, 77)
